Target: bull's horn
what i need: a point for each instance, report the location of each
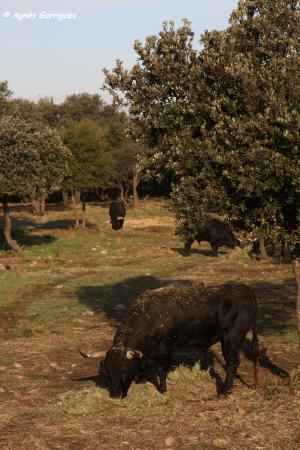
(130, 354)
(92, 354)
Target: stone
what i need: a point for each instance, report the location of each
(18, 366)
(241, 412)
(169, 441)
(221, 443)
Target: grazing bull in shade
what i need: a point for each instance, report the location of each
(179, 314)
(117, 212)
(217, 233)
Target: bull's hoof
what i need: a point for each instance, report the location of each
(162, 389)
(225, 392)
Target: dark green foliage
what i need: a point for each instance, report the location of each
(33, 160)
(5, 93)
(82, 106)
(223, 122)
(91, 165)
(155, 91)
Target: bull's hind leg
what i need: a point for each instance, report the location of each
(214, 249)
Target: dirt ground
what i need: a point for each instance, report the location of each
(71, 288)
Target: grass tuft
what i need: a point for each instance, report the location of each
(142, 399)
(190, 375)
(295, 380)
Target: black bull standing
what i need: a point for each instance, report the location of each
(117, 213)
(217, 233)
(179, 314)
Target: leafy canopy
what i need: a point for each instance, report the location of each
(91, 165)
(222, 122)
(33, 160)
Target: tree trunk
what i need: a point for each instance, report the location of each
(43, 204)
(7, 228)
(77, 197)
(122, 193)
(296, 269)
(75, 209)
(262, 249)
(134, 187)
(83, 210)
(35, 205)
(65, 196)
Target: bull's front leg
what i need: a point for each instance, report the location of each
(187, 246)
(164, 363)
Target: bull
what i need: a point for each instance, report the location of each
(179, 314)
(217, 233)
(117, 213)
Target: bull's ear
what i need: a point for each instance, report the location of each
(130, 354)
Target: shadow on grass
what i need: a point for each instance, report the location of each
(64, 224)
(114, 299)
(41, 223)
(26, 239)
(196, 251)
(276, 306)
(24, 230)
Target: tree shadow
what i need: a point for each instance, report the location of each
(64, 224)
(276, 306)
(196, 251)
(26, 239)
(41, 223)
(25, 229)
(114, 299)
(27, 208)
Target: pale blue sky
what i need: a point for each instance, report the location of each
(48, 57)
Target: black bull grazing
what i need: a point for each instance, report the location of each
(217, 233)
(177, 314)
(117, 212)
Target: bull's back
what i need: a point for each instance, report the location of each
(183, 314)
(218, 231)
(174, 313)
(117, 209)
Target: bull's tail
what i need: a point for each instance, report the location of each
(255, 348)
(92, 354)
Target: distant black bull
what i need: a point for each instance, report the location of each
(217, 233)
(117, 212)
(179, 314)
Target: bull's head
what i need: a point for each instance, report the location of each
(117, 223)
(120, 367)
